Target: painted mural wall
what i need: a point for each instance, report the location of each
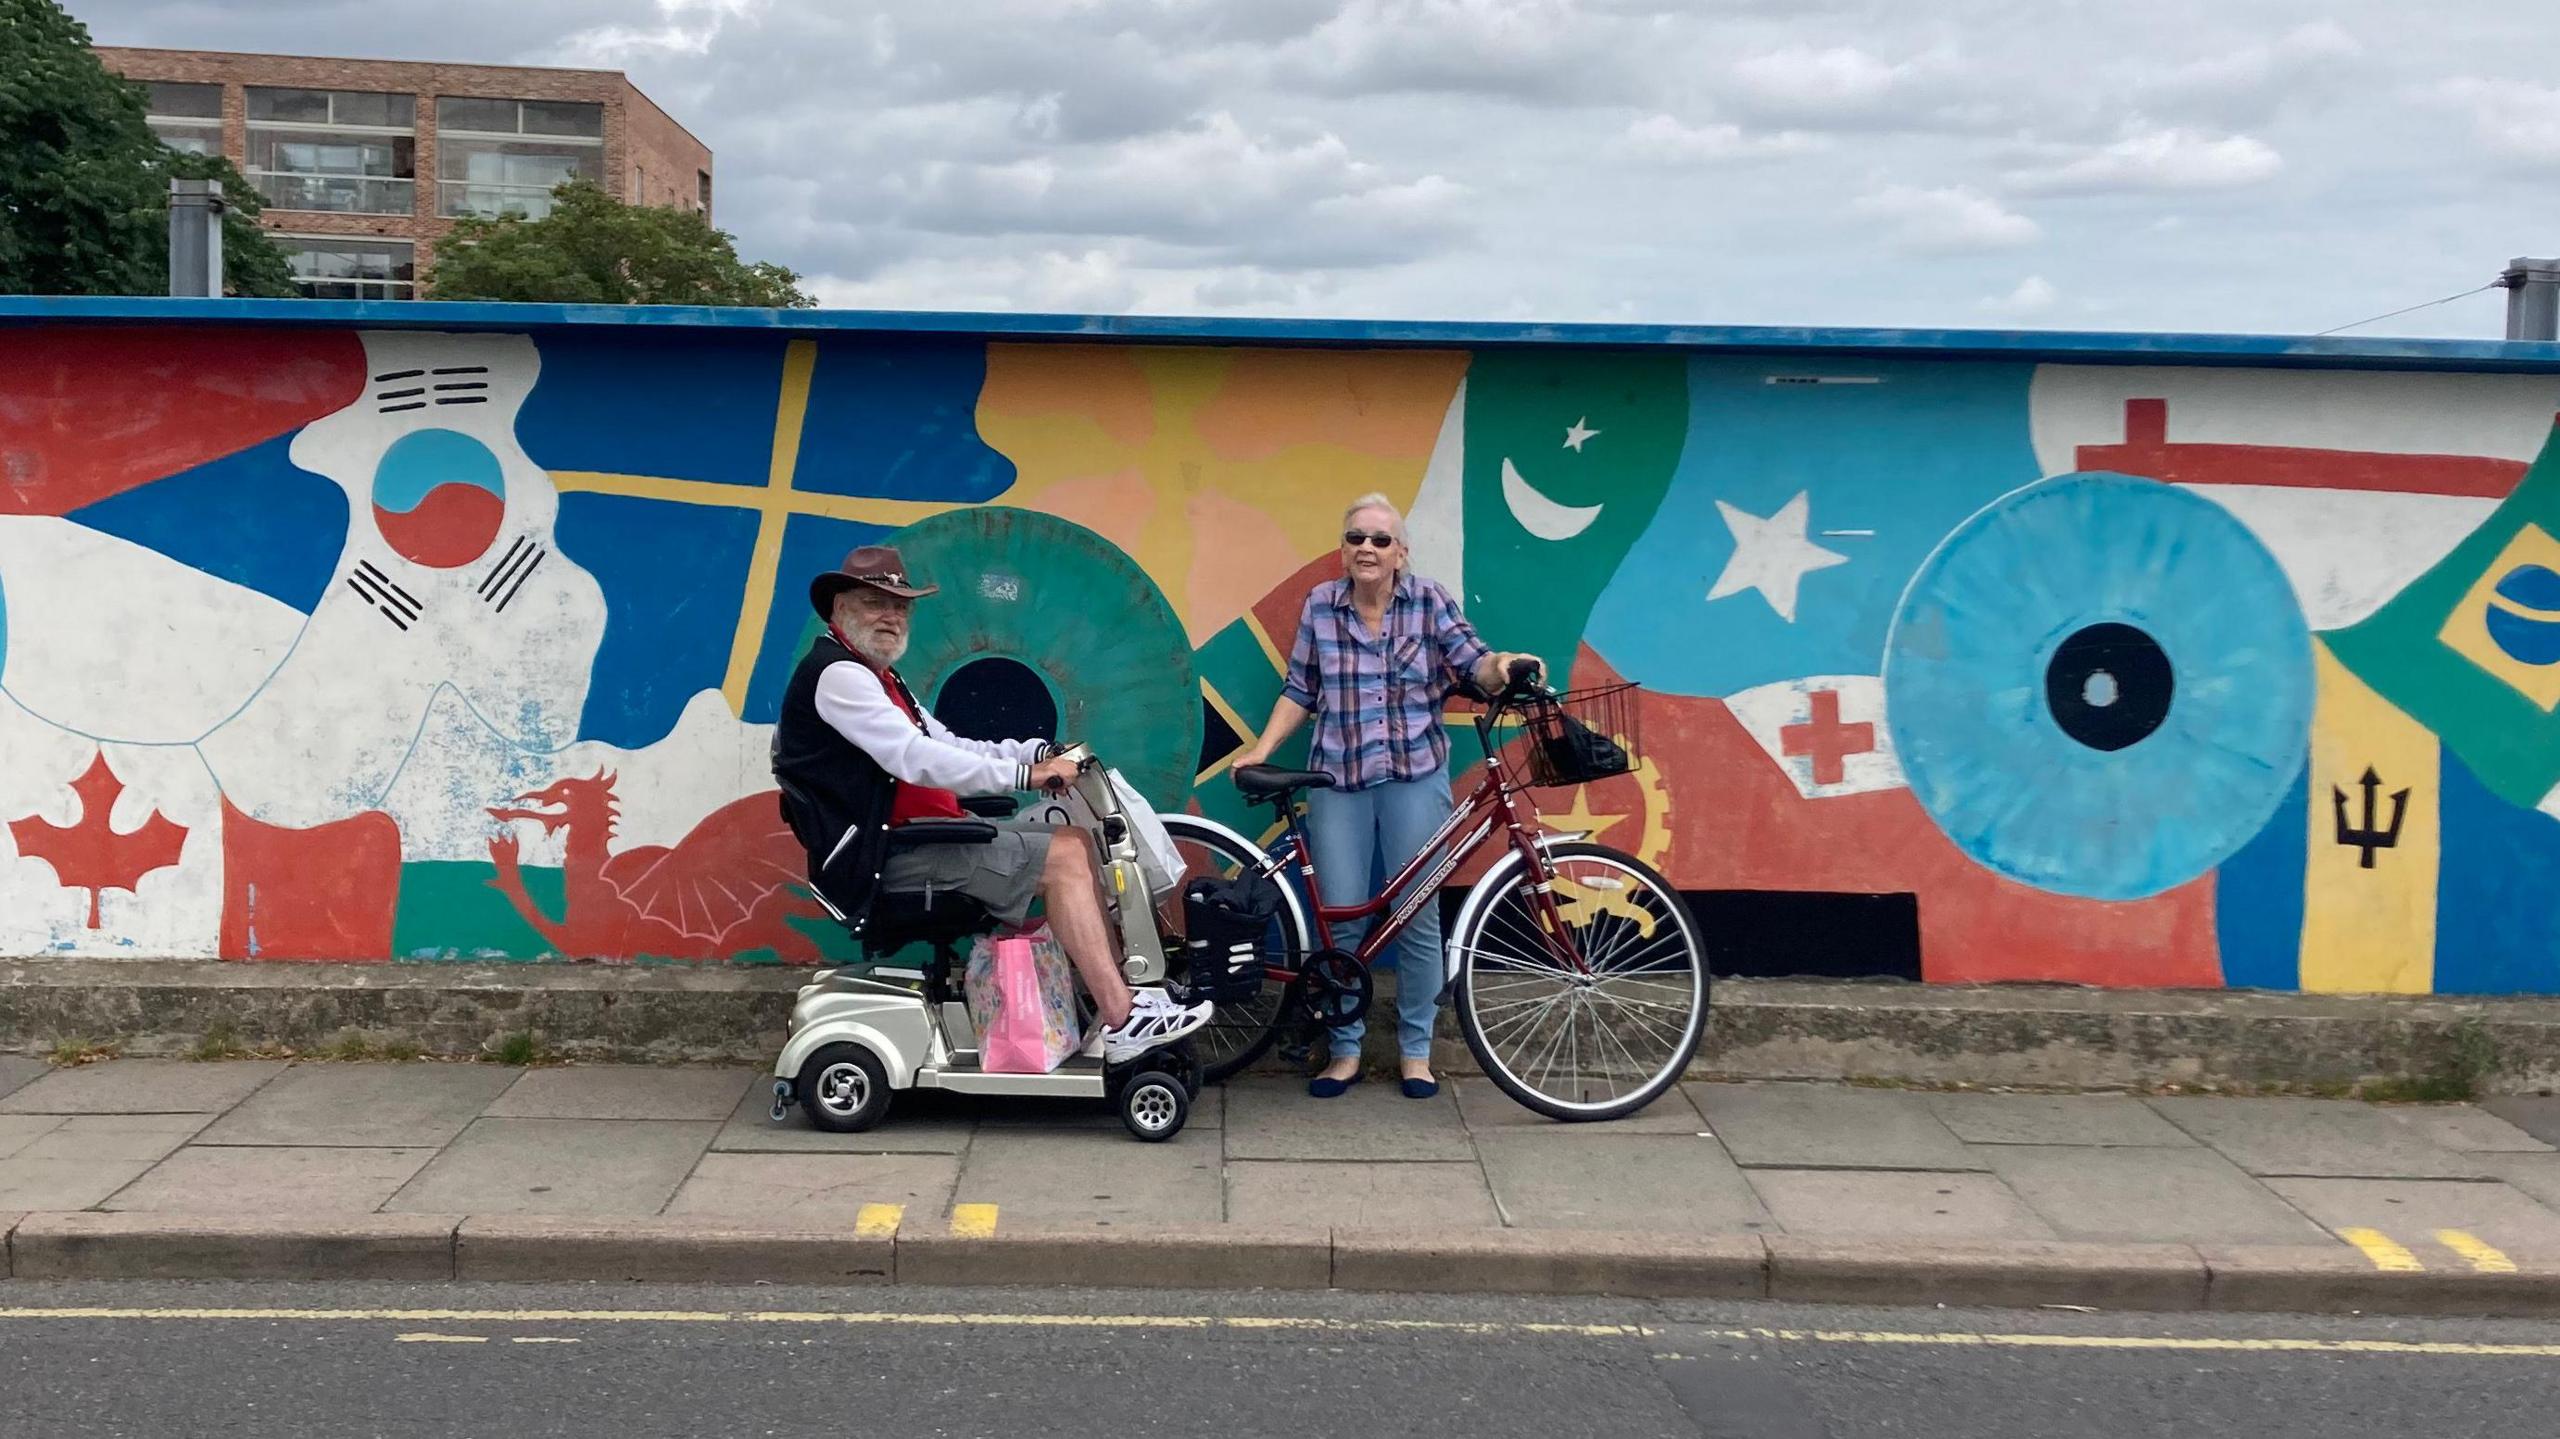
(400, 645)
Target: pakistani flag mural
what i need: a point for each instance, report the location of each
(403, 645)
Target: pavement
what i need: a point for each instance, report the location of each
(148, 1168)
(279, 1361)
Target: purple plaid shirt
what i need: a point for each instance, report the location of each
(1377, 698)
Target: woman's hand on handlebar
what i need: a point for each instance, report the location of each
(1519, 671)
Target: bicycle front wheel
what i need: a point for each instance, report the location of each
(1594, 1016)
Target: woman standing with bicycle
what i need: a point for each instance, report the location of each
(1376, 655)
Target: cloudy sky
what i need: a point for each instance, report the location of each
(2270, 165)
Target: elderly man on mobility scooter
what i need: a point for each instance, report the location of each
(857, 755)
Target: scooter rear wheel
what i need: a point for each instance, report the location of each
(844, 1088)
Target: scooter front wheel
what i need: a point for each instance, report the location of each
(1154, 1105)
(844, 1088)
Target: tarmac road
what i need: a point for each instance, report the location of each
(625, 1362)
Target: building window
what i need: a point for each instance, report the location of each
(336, 267)
(349, 152)
(186, 117)
(702, 190)
(502, 157)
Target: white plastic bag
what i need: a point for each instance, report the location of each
(1158, 860)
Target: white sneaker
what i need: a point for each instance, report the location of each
(1152, 1022)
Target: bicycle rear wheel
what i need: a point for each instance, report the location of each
(1237, 1034)
(1597, 1033)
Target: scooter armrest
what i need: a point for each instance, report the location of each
(918, 832)
(991, 806)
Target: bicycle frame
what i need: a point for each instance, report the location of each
(1497, 800)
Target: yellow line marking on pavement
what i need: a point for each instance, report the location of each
(2483, 1256)
(973, 1221)
(2173, 1343)
(878, 1221)
(2382, 1249)
(1269, 1323)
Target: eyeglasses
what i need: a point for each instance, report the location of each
(1353, 538)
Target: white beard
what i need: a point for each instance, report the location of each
(885, 656)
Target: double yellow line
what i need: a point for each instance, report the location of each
(2392, 1256)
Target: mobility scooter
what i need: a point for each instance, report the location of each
(861, 1032)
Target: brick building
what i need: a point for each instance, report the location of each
(364, 163)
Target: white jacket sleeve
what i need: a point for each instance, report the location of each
(852, 701)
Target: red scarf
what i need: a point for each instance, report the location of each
(908, 801)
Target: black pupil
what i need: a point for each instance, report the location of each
(2109, 686)
(996, 698)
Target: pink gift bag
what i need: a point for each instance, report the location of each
(1021, 993)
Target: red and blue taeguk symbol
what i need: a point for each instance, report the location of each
(439, 497)
(2524, 615)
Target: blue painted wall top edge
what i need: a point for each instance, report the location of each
(2086, 347)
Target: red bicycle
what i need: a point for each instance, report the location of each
(1578, 974)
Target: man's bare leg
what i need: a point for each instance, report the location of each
(1070, 890)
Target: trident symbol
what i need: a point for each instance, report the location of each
(2370, 838)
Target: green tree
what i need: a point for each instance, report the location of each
(592, 249)
(84, 184)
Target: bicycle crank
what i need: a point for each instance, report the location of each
(1334, 989)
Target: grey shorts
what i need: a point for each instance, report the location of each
(1003, 875)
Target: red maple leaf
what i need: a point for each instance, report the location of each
(90, 855)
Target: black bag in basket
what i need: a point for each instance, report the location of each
(1575, 753)
(1227, 922)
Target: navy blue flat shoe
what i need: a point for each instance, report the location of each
(1324, 1088)
(1421, 1088)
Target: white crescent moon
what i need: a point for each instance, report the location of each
(1539, 515)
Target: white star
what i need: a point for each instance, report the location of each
(1574, 437)
(1771, 555)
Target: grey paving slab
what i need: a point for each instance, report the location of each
(272, 1179)
(1274, 1118)
(558, 1166)
(1484, 1106)
(1072, 1178)
(115, 1137)
(2536, 1174)
(144, 1086)
(827, 1190)
(1028, 1111)
(1895, 1204)
(64, 1183)
(1673, 1183)
(2535, 1114)
(2466, 1128)
(363, 1104)
(2165, 1196)
(626, 1091)
(2091, 1119)
(19, 1070)
(17, 1131)
(1816, 1126)
(2334, 1138)
(2411, 1212)
(1436, 1195)
(919, 1122)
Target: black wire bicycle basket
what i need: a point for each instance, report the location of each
(1579, 736)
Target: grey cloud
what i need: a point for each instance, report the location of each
(1780, 161)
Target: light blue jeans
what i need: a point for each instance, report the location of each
(1361, 838)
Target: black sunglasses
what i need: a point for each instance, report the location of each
(1354, 537)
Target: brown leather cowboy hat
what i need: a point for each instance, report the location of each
(875, 565)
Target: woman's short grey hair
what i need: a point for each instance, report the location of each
(1395, 517)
